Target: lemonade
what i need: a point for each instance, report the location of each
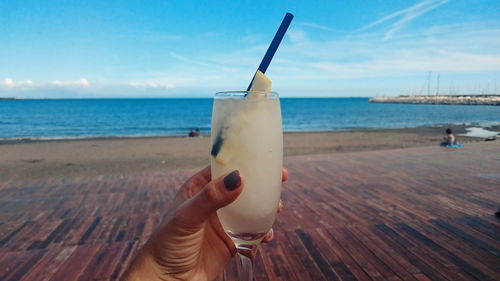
(248, 137)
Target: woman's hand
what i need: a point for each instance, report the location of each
(191, 244)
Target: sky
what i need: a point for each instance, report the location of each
(127, 48)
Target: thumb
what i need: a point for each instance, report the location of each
(214, 195)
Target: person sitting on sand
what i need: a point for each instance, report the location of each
(449, 139)
(194, 133)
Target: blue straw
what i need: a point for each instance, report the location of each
(274, 45)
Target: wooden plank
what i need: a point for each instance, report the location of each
(467, 238)
(11, 235)
(301, 256)
(76, 263)
(472, 255)
(334, 245)
(467, 267)
(34, 258)
(10, 261)
(369, 262)
(45, 269)
(276, 262)
(378, 249)
(313, 250)
(482, 226)
(340, 269)
(416, 256)
(89, 231)
(413, 214)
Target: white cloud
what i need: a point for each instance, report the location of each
(405, 16)
(188, 60)
(151, 85)
(251, 39)
(456, 48)
(10, 83)
(437, 60)
(297, 36)
(82, 83)
(322, 63)
(314, 25)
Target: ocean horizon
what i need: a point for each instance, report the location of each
(40, 119)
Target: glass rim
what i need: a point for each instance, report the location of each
(240, 94)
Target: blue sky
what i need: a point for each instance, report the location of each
(74, 49)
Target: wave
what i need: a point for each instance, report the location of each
(173, 129)
(92, 137)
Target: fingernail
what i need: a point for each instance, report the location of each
(233, 180)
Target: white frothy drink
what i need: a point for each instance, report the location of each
(247, 136)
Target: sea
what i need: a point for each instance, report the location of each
(108, 118)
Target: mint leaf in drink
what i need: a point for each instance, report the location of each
(219, 140)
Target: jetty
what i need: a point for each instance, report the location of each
(441, 99)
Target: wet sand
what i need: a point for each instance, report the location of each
(71, 158)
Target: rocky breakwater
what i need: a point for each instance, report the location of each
(454, 100)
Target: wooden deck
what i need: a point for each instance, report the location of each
(413, 214)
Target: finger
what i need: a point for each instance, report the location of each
(284, 175)
(193, 185)
(280, 206)
(200, 179)
(269, 236)
(214, 195)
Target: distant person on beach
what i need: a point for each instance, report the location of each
(449, 139)
(194, 133)
(191, 243)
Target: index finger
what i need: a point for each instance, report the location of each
(284, 175)
(195, 183)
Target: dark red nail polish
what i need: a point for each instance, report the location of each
(233, 180)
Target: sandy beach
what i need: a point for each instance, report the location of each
(70, 158)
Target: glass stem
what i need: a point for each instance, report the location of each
(241, 267)
(245, 267)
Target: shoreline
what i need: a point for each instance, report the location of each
(28, 140)
(126, 156)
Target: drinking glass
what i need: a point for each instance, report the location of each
(247, 135)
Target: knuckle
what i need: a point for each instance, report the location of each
(211, 194)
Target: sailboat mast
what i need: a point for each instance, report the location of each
(437, 85)
(429, 84)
